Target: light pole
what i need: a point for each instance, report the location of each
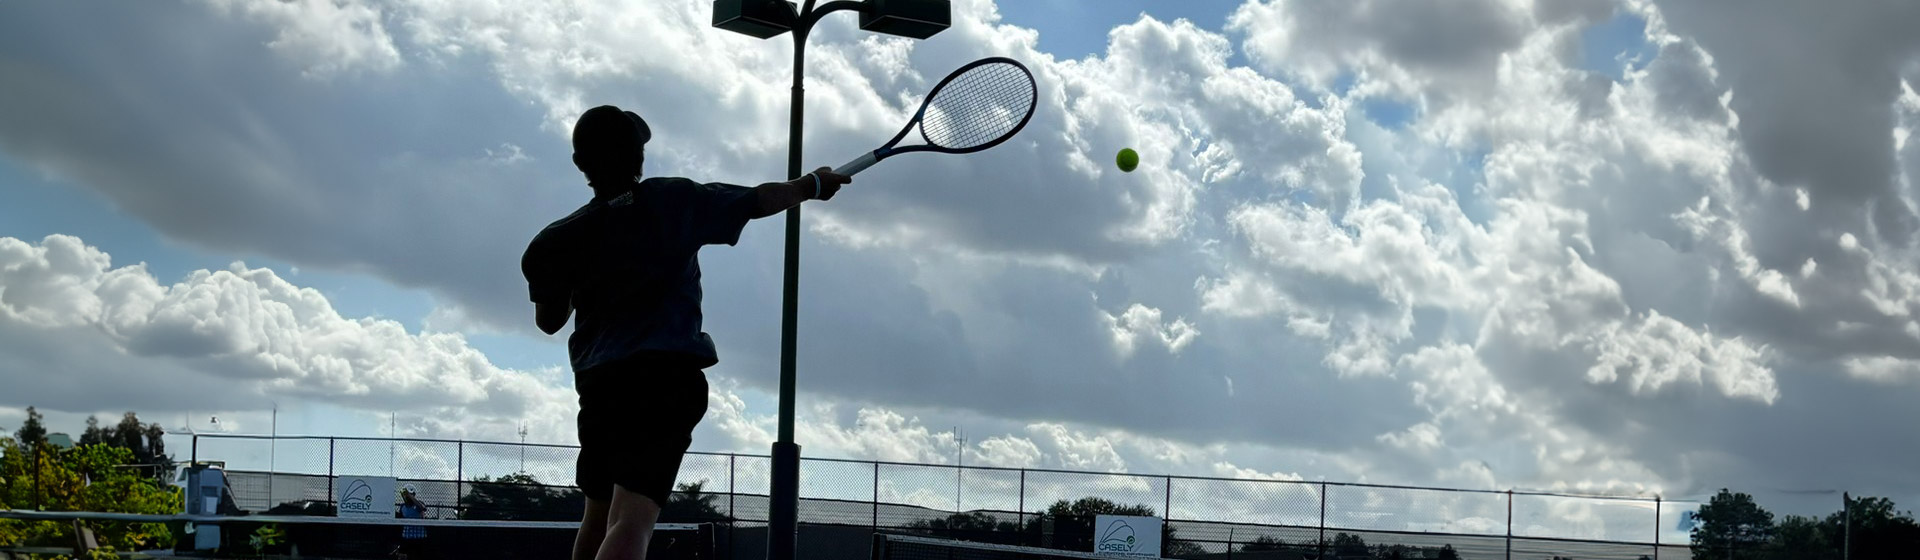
(763, 19)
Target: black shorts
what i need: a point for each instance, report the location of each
(636, 421)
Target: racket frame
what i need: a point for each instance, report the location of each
(889, 150)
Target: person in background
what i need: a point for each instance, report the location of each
(413, 538)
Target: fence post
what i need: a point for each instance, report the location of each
(1023, 506)
(876, 496)
(1166, 516)
(1168, 512)
(330, 494)
(1656, 528)
(36, 476)
(1509, 525)
(1323, 521)
(460, 478)
(733, 515)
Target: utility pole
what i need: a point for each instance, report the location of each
(960, 465)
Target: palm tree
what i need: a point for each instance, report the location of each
(691, 502)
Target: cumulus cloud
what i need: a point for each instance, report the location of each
(226, 338)
(322, 36)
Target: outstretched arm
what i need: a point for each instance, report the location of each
(775, 198)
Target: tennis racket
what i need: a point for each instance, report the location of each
(976, 107)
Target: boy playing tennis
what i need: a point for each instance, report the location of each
(627, 264)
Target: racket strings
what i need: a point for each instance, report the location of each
(985, 104)
(988, 104)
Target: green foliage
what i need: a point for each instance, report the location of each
(1879, 529)
(972, 526)
(1091, 506)
(1802, 538)
(1073, 525)
(1349, 545)
(1732, 527)
(692, 503)
(521, 497)
(267, 537)
(1264, 543)
(32, 432)
(146, 441)
(85, 478)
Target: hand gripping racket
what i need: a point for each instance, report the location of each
(976, 107)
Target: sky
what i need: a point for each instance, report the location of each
(1635, 247)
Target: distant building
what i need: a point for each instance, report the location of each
(60, 440)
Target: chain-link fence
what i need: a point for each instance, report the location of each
(1205, 517)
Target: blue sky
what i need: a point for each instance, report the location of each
(1494, 244)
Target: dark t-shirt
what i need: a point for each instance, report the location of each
(629, 265)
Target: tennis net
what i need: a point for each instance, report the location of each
(909, 547)
(343, 538)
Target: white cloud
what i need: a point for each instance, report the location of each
(1659, 351)
(1140, 322)
(243, 333)
(326, 37)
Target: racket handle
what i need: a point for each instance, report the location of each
(857, 165)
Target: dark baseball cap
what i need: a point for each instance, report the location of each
(608, 130)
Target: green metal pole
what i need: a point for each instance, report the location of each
(783, 523)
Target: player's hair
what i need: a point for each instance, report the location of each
(607, 142)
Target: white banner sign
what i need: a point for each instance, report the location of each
(1126, 535)
(364, 496)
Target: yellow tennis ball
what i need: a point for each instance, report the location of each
(1128, 159)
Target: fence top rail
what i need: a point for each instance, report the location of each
(388, 439)
(1509, 492)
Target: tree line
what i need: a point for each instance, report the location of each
(1732, 526)
(122, 468)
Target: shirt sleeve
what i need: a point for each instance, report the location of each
(720, 211)
(548, 270)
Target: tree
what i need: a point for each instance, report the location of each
(971, 526)
(1802, 538)
(1395, 552)
(1073, 525)
(95, 434)
(157, 447)
(1447, 553)
(1180, 548)
(85, 478)
(1349, 545)
(146, 441)
(131, 434)
(1264, 543)
(31, 433)
(1731, 527)
(692, 503)
(521, 497)
(1879, 530)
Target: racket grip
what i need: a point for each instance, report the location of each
(857, 165)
